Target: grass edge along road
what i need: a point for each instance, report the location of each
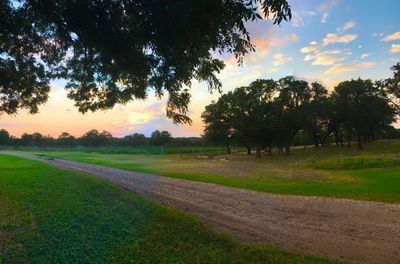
(368, 175)
(55, 215)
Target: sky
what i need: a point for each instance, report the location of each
(326, 41)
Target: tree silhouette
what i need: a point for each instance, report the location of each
(112, 52)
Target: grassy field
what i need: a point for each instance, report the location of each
(371, 174)
(49, 215)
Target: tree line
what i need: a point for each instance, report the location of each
(95, 138)
(268, 113)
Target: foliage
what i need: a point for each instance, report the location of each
(112, 52)
(268, 113)
(351, 163)
(160, 138)
(391, 88)
(5, 138)
(95, 138)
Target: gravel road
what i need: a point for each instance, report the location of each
(342, 229)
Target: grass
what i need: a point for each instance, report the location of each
(371, 174)
(50, 215)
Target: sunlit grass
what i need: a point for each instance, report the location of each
(328, 171)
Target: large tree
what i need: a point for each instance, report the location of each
(362, 109)
(112, 52)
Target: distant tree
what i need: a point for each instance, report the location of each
(65, 139)
(94, 138)
(26, 140)
(160, 138)
(5, 137)
(112, 52)
(135, 140)
(362, 109)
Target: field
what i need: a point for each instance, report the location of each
(60, 216)
(371, 174)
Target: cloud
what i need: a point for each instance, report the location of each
(327, 57)
(297, 20)
(292, 37)
(264, 44)
(312, 13)
(324, 8)
(326, 5)
(346, 26)
(349, 67)
(334, 38)
(326, 60)
(324, 17)
(308, 49)
(272, 69)
(395, 48)
(392, 37)
(365, 55)
(281, 59)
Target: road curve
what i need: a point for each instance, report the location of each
(342, 229)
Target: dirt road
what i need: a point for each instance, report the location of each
(347, 230)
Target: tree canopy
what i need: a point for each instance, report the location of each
(269, 113)
(112, 52)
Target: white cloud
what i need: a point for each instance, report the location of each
(297, 20)
(395, 48)
(392, 37)
(324, 17)
(348, 67)
(334, 38)
(312, 13)
(346, 26)
(308, 49)
(281, 59)
(365, 55)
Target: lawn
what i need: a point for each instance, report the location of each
(50, 215)
(371, 174)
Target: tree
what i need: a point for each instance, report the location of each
(4, 137)
(290, 110)
(94, 138)
(391, 88)
(160, 138)
(318, 121)
(362, 109)
(217, 121)
(66, 139)
(135, 140)
(112, 52)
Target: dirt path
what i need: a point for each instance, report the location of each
(352, 231)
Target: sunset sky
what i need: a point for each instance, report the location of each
(326, 41)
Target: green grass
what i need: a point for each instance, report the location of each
(371, 174)
(50, 215)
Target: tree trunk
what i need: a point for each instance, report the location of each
(270, 150)
(248, 150)
(359, 138)
(287, 149)
(258, 152)
(228, 149)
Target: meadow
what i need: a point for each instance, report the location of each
(51, 215)
(346, 172)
